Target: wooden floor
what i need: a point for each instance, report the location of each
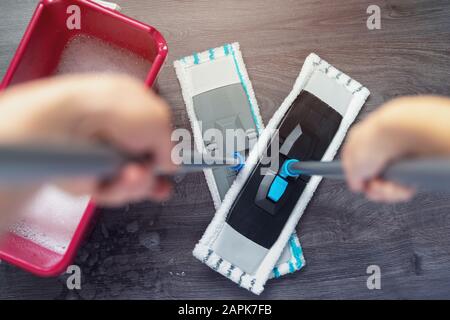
(144, 251)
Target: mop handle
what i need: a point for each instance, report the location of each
(27, 163)
(423, 173)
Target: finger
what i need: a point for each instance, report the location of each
(365, 154)
(78, 186)
(161, 190)
(355, 184)
(389, 192)
(132, 185)
(356, 161)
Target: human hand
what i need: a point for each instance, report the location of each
(112, 109)
(404, 127)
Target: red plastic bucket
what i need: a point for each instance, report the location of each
(36, 57)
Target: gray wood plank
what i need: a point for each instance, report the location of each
(144, 250)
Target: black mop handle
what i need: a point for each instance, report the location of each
(28, 163)
(422, 173)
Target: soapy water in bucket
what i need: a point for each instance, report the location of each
(86, 54)
(51, 217)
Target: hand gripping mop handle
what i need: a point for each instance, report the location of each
(27, 163)
(427, 174)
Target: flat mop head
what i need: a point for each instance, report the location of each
(260, 212)
(218, 95)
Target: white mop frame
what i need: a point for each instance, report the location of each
(296, 260)
(255, 283)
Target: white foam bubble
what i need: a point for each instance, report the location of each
(50, 218)
(86, 54)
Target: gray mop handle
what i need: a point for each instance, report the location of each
(422, 173)
(28, 163)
